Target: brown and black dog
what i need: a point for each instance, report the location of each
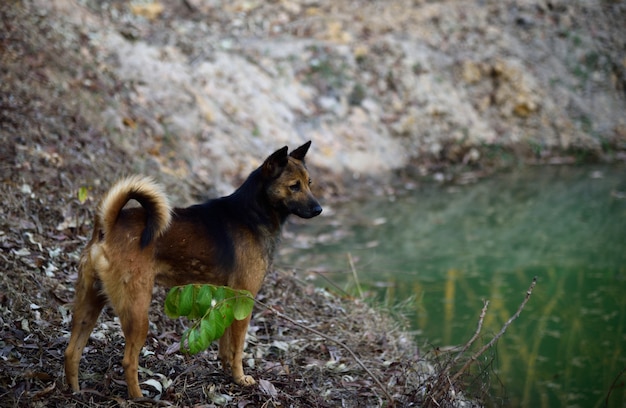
(226, 241)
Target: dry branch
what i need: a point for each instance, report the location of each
(500, 333)
(445, 382)
(479, 327)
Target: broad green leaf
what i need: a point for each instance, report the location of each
(194, 313)
(171, 302)
(211, 309)
(226, 310)
(207, 333)
(243, 305)
(203, 299)
(185, 303)
(216, 320)
(201, 340)
(193, 343)
(219, 293)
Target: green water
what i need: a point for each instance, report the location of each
(444, 249)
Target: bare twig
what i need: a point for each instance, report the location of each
(444, 383)
(475, 336)
(339, 343)
(500, 333)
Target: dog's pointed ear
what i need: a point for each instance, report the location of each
(300, 152)
(275, 164)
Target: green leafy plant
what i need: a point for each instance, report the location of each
(83, 194)
(211, 308)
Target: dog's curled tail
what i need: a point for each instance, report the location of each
(151, 197)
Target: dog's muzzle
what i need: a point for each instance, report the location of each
(313, 209)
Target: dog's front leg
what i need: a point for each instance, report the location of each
(234, 351)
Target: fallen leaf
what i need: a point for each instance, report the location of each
(281, 345)
(154, 384)
(21, 252)
(218, 398)
(243, 403)
(267, 388)
(173, 348)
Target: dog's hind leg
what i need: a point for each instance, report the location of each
(87, 307)
(135, 332)
(132, 306)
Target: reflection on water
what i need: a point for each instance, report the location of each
(448, 248)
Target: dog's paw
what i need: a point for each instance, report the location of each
(245, 381)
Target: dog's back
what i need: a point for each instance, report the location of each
(213, 243)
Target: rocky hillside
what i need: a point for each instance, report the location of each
(199, 88)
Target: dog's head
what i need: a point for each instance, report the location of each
(289, 183)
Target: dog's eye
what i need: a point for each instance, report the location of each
(310, 182)
(295, 187)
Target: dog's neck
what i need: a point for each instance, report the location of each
(251, 194)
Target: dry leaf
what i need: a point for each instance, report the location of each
(267, 388)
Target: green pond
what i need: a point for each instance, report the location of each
(437, 251)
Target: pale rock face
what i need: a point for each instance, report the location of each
(394, 83)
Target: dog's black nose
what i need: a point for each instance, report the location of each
(317, 210)
(309, 212)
